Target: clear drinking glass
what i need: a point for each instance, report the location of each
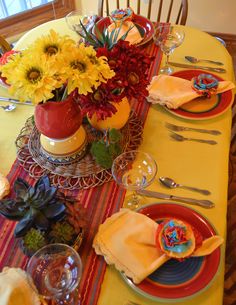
(168, 37)
(55, 271)
(74, 19)
(134, 170)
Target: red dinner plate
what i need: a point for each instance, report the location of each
(175, 281)
(144, 25)
(203, 108)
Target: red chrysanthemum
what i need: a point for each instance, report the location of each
(130, 64)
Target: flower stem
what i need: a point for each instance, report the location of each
(65, 93)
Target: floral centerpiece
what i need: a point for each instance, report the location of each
(53, 67)
(130, 65)
(96, 80)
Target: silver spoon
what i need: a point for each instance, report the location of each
(180, 138)
(195, 60)
(170, 183)
(9, 107)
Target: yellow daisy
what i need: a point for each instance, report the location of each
(35, 79)
(52, 44)
(100, 64)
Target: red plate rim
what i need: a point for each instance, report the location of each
(138, 19)
(211, 263)
(226, 99)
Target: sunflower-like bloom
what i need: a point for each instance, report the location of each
(34, 79)
(85, 70)
(101, 64)
(12, 64)
(52, 45)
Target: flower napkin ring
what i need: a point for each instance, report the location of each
(205, 84)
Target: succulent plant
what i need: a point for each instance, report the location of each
(104, 38)
(33, 240)
(34, 206)
(62, 232)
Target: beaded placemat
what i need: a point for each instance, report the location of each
(79, 173)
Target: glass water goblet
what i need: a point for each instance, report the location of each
(75, 18)
(134, 170)
(168, 37)
(55, 271)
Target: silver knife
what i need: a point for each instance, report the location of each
(12, 100)
(180, 65)
(203, 203)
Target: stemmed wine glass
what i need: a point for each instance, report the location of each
(168, 37)
(55, 271)
(75, 18)
(134, 170)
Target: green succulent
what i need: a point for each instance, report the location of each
(34, 206)
(105, 38)
(62, 232)
(34, 239)
(105, 150)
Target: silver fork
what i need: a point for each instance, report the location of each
(183, 128)
(180, 138)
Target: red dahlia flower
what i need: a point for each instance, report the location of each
(130, 64)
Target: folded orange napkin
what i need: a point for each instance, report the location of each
(127, 240)
(174, 91)
(15, 288)
(133, 36)
(4, 186)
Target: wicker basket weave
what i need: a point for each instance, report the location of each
(81, 173)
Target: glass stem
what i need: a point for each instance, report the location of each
(167, 60)
(135, 198)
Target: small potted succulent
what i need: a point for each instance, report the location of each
(41, 213)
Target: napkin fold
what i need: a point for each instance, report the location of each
(127, 240)
(4, 186)
(133, 36)
(174, 91)
(15, 288)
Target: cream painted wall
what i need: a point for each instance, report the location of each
(208, 15)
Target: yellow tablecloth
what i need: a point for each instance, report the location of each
(190, 163)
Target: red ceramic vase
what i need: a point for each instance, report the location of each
(58, 120)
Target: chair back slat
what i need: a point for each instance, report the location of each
(167, 10)
(159, 11)
(138, 7)
(149, 9)
(107, 4)
(4, 45)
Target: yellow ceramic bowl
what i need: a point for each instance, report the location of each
(65, 147)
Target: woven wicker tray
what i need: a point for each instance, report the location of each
(82, 173)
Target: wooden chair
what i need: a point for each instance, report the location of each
(4, 46)
(174, 11)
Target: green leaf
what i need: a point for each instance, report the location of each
(23, 225)
(54, 210)
(114, 135)
(21, 187)
(8, 209)
(101, 154)
(41, 222)
(43, 181)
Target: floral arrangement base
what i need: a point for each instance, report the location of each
(66, 150)
(82, 173)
